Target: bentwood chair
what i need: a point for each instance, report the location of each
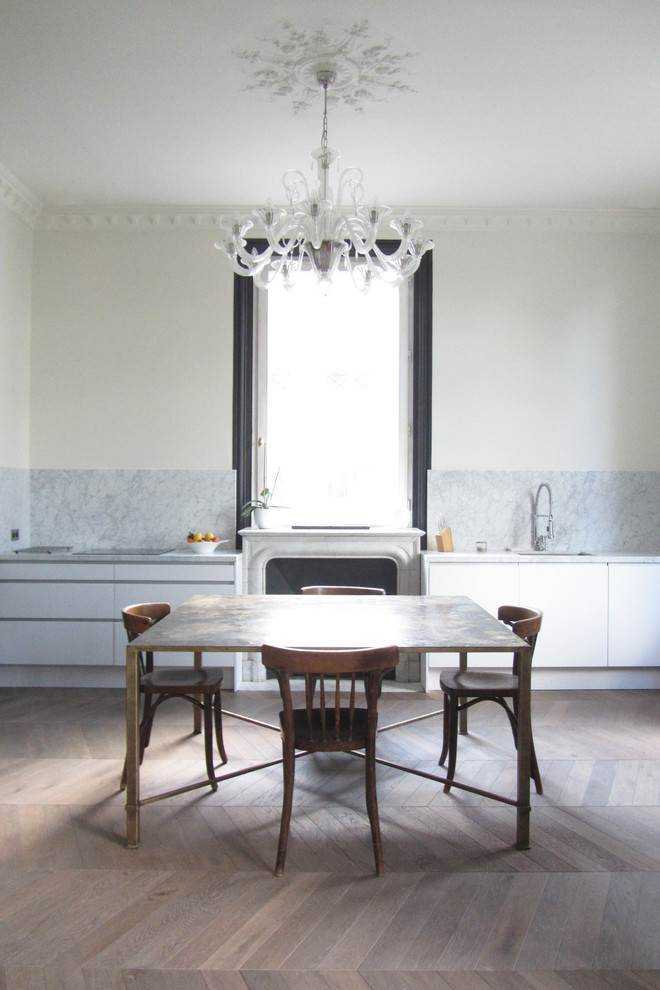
(339, 589)
(464, 688)
(201, 686)
(331, 721)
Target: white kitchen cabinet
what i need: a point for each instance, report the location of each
(175, 583)
(60, 642)
(54, 614)
(57, 599)
(67, 613)
(489, 584)
(574, 601)
(634, 615)
(573, 596)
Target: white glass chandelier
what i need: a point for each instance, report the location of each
(331, 231)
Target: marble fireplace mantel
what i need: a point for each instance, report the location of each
(403, 546)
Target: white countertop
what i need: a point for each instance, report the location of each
(170, 556)
(546, 557)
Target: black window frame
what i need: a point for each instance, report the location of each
(243, 384)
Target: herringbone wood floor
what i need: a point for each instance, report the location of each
(197, 906)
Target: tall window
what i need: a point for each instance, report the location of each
(333, 424)
(395, 432)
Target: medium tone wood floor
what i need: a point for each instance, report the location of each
(197, 907)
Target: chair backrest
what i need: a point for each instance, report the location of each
(331, 722)
(138, 618)
(525, 622)
(339, 589)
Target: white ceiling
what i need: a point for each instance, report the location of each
(510, 103)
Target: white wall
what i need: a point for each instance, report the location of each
(546, 351)
(132, 350)
(15, 319)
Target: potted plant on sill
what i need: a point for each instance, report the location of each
(262, 506)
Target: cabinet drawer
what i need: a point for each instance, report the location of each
(61, 643)
(175, 594)
(196, 571)
(52, 600)
(55, 571)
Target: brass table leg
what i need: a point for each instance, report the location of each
(524, 748)
(462, 716)
(132, 750)
(197, 712)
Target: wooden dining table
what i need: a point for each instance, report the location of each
(243, 623)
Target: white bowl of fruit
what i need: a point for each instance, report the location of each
(199, 543)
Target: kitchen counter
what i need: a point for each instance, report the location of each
(546, 557)
(178, 555)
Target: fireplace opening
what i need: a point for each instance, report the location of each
(287, 575)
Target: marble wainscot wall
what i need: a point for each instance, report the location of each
(14, 507)
(123, 508)
(593, 510)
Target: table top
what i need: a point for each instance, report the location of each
(243, 623)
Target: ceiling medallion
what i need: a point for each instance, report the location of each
(365, 70)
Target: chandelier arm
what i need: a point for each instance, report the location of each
(363, 237)
(250, 266)
(351, 179)
(293, 179)
(280, 264)
(287, 237)
(253, 257)
(390, 259)
(361, 276)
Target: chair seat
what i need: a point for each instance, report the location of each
(182, 680)
(328, 739)
(482, 682)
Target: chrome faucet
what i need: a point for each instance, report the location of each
(541, 538)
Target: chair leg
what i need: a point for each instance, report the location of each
(288, 773)
(445, 730)
(145, 728)
(208, 739)
(217, 715)
(534, 771)
(453, 740)
(372, 804)
(146, 708)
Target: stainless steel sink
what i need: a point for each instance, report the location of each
(553, 553)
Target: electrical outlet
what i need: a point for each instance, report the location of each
(15, 534)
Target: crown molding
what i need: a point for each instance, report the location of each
(436, 219)
(137, 218)
(18, 198)
(540, 221)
